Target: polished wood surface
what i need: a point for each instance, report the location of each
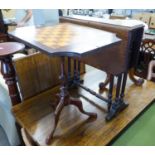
(38, 72)
(9, 48)
(96, 51)
(35, 114)
(65, 39)
(9, 75)
(129, 23)
(64, 99)
(85, 43)
(130, 31)
(111, 59)
(96, 48)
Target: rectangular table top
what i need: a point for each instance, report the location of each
(65, 39)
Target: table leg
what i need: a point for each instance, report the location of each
(123, 87)
(64, 100)
(70, 80)
(119, 104)
(111, 84)
(8, 72)
(102, 85)
(136, 81)
(77, 68)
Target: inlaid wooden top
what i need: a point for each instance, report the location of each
(8, 48)
(65, 39)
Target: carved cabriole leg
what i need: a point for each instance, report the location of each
(78, 104)
(64, 100)
(102, 85)
(119, 104)
(9, 75)
(56, 118)
(137, 82)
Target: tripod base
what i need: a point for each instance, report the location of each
(64, 101)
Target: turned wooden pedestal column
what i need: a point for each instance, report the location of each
(7, 69)
(65, 99)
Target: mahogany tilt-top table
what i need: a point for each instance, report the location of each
(98, 48)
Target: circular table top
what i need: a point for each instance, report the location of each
(8, 48)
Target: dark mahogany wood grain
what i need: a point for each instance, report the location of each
(39, 72)
(8, 48)
(98, 48)
(7, 68)
(35, 114)
(83, 40)
(9, 75)
(130, 31)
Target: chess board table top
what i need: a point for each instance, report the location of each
(65, 39)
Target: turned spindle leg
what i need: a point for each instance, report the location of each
(64, 100)
(111, 84)
(70, 81)
(119, 80)
(78, 71)
(123, 87)
(119, 104)
(75, 69)
(8, 72)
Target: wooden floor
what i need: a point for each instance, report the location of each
(74, 128)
